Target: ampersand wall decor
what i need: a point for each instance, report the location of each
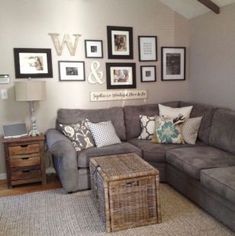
(95, 76)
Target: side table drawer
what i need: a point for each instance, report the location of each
(26, 173)
(25, 160)
(24, 149)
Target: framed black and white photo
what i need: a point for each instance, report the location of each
(173, 63)
(120, 75)
(33, 63)
(147, 48)
(94, 48)
(148, 73)
(120, 42)
(71, 70)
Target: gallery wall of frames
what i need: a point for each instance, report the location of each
(37, 62)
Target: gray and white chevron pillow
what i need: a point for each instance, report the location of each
(147, 127)
(79, 134)
(103, 133)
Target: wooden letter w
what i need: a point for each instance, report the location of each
(66, 41)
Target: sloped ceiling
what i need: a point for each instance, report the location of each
(192, 8)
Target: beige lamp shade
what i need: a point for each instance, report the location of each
(30, 90)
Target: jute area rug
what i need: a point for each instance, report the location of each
(55, 213)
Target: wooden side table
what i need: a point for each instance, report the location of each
(24, 160)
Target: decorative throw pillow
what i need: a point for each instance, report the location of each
(182, 113)
(147, 126)
(104, 133)
(190, 129)
(166, 131)
(79, 134)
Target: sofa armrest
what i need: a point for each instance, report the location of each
(64, 158)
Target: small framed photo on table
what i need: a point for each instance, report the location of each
(120, 75)
(33, 63)
(71, 70)
(173, 65)
(120, 42)
(147, 48)
(94, 48)
(148, 73)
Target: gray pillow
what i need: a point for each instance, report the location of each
(103, 133)
(79, 134)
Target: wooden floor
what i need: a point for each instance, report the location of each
(52, 183)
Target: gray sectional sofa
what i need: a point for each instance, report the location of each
(204, 172)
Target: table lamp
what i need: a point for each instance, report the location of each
(31, 91)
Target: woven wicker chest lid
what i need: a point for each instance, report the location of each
(122, 166)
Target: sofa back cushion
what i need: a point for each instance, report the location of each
(115, 114)
(132, 119)
(207, 112)
(222, 133)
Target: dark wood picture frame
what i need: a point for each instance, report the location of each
(173, 63)
(121, 75)
(93, 48)
(150, 75)
(120, 42)
(33, 63)
(71, 71)
(148, 50)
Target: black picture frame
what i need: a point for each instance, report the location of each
(33, 63)
(120, 42)
(148, 50)
(93, 48)
(148, 74)
(71, 71)
(121, 75)
(173, 63)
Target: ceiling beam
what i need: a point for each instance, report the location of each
(211, 5)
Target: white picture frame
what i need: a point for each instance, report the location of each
(147, 48)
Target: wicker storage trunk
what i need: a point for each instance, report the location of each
(126, 191)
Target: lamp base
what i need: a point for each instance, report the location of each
(34, 132)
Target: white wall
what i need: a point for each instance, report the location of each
(26, 23)
(212, 61)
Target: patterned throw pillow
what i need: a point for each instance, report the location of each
(104, 133)
(79, 134)
(183, 112)
(147, 127)
(190, 129)
(166, 131)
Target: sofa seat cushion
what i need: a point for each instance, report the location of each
(120, 148)
(192, 160)
(154, 152)
(221, 181)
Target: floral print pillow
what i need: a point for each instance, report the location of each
(79, 134)
(167, 130)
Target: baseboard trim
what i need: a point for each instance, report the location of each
(3, 176)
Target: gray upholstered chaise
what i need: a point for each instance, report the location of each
(204, 172)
